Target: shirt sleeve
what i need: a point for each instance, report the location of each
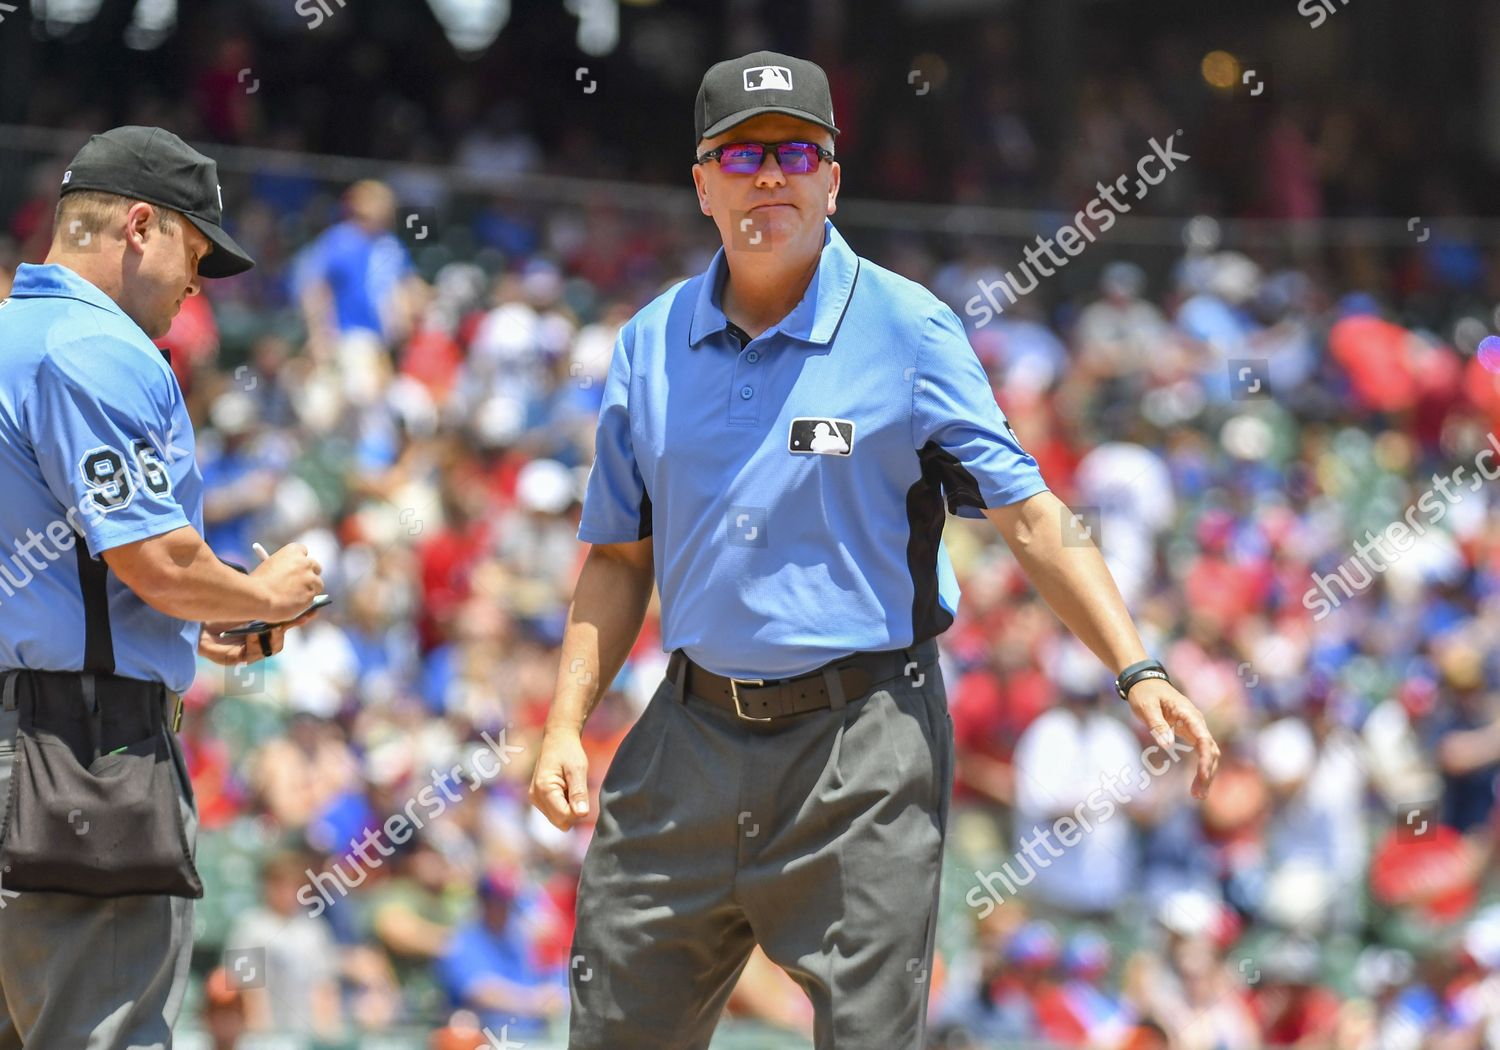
(454, 970)
(309, 267)
(957, 423)
(616, 505)
(102, 438)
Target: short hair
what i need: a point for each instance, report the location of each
(288, 863)
(369, 198)
(93, 210)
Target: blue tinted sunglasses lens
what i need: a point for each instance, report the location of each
(797, 158)
(743, 159)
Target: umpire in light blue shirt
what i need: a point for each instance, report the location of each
(107, 596)
(780, 441)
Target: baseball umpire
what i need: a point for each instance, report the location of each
(104, 598)
(779, 442)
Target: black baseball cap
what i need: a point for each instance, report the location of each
(761, 82)
(154, 165)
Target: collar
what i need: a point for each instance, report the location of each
(43, 280)
(56, 280)
(813, 320)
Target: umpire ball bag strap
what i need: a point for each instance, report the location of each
(93, 807)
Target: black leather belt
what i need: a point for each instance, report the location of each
(95, 688)
(762, 700)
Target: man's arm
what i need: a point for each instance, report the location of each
(1075, 582)
(176, 573)
(990, 777)
(309, 283)
(498, 994)
(241, 496)
(1464, 751)
(609, 605)
(100, 423)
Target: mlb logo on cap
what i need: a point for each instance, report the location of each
(768, 78)
(761, 82)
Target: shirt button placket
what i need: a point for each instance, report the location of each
(743, 407)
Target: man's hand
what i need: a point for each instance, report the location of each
(230, 652)
(1164, 710)
(1076, 584)
(293, 579)
(560, 782)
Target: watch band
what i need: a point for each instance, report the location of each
(1138, 671)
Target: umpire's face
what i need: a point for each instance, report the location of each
(160, 267)
(770, 205)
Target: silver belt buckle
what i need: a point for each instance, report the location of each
(734, 691)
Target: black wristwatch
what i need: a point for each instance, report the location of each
(1138, 671)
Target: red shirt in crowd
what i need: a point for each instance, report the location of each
(1289, 1015)
(990, 711)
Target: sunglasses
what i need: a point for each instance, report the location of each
(744, 158)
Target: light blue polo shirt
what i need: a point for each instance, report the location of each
(795, 490)
(95, 440)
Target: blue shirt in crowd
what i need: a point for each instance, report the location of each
(361, 270)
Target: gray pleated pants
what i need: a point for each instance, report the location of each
(818, 836)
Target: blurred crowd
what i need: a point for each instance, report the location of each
(1230, 427)
(1228, 437)
(984, 107)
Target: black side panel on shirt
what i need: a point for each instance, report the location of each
(926, 512)
(644, 528)
(98, 640)
(961, 487)
(925, 515)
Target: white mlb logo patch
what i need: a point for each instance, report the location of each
(820, 436)
(768, 78)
